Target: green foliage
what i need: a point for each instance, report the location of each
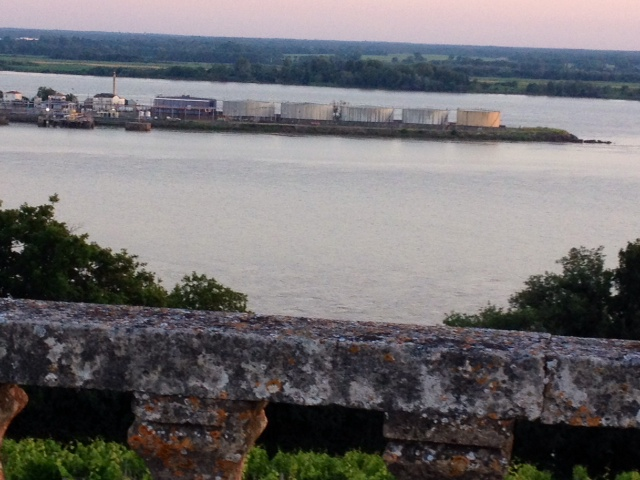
(47, 460)
(527, 472)
(198, 292)
(44, 92)
(628, 476)
(42, 258)
(315, 466)
(585, 299)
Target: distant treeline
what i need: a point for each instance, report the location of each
(393, 66)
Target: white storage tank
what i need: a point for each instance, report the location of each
(366, 114)
(306, 111)
(248, 109)
(478, 118)
(425, 116)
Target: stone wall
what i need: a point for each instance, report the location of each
(202, 379)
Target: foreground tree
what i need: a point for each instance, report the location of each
(585, 299)
(42, 258)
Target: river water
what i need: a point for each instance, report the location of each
(375, 229)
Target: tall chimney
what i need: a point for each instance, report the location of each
(114, 83)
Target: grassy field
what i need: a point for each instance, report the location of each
(401, 57)
(41, 64)
(523, 82)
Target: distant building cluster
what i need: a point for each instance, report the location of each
(192, 108)
(186, 107)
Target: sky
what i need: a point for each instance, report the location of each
(585, 24)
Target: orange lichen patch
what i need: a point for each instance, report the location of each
(274, 386)
(494, 386)
(496, 466)
(12, 400)
(171, 452)
(493, 416)
(149, 408)
(594, 421)
(458, 465)
(245, 416)
(354, 349)
(215, 436)
(228, 469)
(195, 402)
(221, 415)
(389, 358)
(584, 418)
(223, 395)
(482, 380)
(390, 458)
(291, 361)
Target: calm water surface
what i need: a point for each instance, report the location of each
(332, 227)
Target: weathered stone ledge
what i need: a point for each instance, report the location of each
(444, 390)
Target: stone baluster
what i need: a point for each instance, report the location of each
(12, 400)
(437, 447)
(195, 438)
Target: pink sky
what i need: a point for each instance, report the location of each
(589, 24)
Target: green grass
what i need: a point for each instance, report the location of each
(36, 63)
(388, 58)
(523, 82)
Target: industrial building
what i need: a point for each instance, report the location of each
(478, 118)
(307, 111)
(425, 116)
(365, 114)
(184, 107)
(248, 110)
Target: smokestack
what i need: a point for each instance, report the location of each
(114, 83)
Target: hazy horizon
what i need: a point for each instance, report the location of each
(568, 24)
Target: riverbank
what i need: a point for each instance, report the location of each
(451, 132)
(422, 132)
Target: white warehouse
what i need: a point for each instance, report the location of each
(425, 116)
(478, 118)
(307, 111)
(366, 114)
(253, 109)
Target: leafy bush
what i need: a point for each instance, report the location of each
(32, 459)
(353, 465)
(529, 472)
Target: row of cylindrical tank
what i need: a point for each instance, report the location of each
(251, 109)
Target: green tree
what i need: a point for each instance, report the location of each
(44, 92)
(585, 299)
(626, 304)
(198, 292)
(41, 258)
